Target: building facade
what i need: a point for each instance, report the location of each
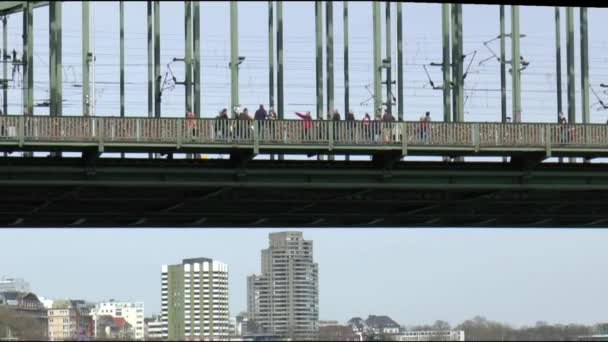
(284, 299)
(22, 316)
(454, 335)
(194, 300)
(14, 285)
(70, 319)
(133, 313)
(154, 328)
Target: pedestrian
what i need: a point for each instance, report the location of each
(387, 126)
(260, 114)
(427, 127)
(221, 124)
(350, 125)
(191, 124)
(366, 123)
(307, 126)
(564, 127)
(243, 124)
(377, 127)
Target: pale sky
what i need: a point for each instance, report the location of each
(414, 275)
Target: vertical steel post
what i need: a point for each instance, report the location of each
(515, 63)
(150, 60)
(28, 49)
(319, 56)
(157, 76)
(400, 103)
(58, 59)
(85, 59)
(188, 52)
(329, 45)
(122, 58)
(445, 38)
(52, 59)
(234, 56)
(377, 55)
(455, 61)
(280, 99)
(558, 61)
(346, 78)
(584, 64)
(460, 45)
(197, 58)
(270, 54)
(570, 63)
(55, 69)
(503, 68)
(389, 60)
(5, 65)
(280, 103)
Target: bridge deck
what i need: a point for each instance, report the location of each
(111, 134)
(65, 192)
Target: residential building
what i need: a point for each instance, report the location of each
(116, 328)
(284, 299)
(22, 316)
(454, 335)
(133, 314)
(154, 328)
(328, 323)
(194, 300)
(70, 319)
(337, 332)
(14, 285)
(382, 325)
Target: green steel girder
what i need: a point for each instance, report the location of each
(446, 65)
(10, 7)
(377, 55)
(5, 65)
(558, 61)
(515, 63)
(122, 57)
(400, 75)
(188, 51)
(270, 54)
(157, 75)
(28, 59)
(345, 40)
(389, 59)
(329, 46)
(85, 59)
(503, 67)
(319, 57)
(570, 64)
(584, 36)
(280, 84)
(181, 193)
(55, 69)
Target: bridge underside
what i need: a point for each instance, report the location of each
(69, 192)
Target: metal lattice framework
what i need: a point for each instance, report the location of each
(452, 63)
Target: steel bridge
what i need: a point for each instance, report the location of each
(92, 190)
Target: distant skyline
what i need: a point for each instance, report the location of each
(517, 276)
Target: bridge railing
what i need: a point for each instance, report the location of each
(75, 129)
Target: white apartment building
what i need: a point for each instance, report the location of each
(194, 300)
(284, 299)
(133, 313)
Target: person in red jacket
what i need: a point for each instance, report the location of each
(307, 124)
